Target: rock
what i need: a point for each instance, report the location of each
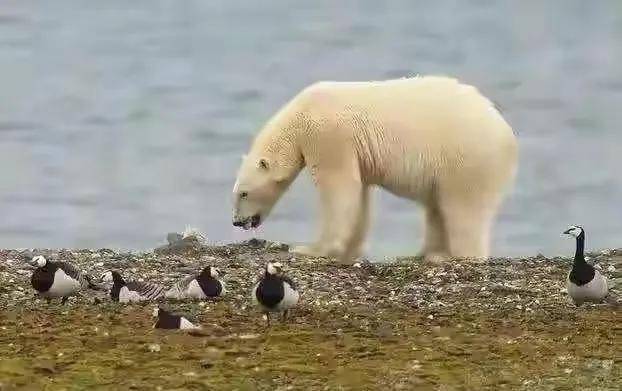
(174, 237)
(278, 246)
(154, 348)
(254, 242)
(206, 364)
(249, 336)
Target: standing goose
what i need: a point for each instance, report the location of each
(275, 292)
(130, 291)
(57, 279)
(584, 282)
(205, 284)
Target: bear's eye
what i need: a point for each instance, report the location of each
(243, 195)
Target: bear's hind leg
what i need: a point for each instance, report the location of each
(355, 247)
(467, 225)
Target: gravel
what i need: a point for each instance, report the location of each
(525, 284)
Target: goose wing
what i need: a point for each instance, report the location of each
(290, 282)
(177, 290)
(147, 290)
(73, 272)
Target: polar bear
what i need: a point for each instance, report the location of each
(431, 139)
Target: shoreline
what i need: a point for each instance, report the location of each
(502, 324)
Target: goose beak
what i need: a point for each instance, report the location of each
(567, 232)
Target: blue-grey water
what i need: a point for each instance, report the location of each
(121, 121)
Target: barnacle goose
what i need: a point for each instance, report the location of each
(203, 285)
(168, 320)
(57, 279)
(131, 290)
(584, 283)
(275, 292)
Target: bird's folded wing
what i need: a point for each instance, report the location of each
(145, 289)
(290, 282)
(73, 272)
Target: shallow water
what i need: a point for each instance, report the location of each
(121, 122)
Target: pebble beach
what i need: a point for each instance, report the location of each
(500, 324)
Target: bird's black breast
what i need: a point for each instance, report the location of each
(581, 274)
(209, 285)
(43, 278)
(270, 291)
(114, 292)
(168, 321)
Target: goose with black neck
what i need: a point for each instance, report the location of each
(584, 282)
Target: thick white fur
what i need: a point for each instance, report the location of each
(430, 139)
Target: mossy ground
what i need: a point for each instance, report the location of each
(504, 325)
(108, 347)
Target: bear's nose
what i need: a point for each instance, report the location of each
(238, 223)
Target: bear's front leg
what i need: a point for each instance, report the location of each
(434, 244)
(343, 207)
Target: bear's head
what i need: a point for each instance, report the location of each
(260, 183)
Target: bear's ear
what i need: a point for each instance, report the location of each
(263, 163)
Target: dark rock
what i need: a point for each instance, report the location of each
(206, 364)
(254, 242)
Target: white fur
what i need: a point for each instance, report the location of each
(594, 291)
(428, 139)
(63, 285)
